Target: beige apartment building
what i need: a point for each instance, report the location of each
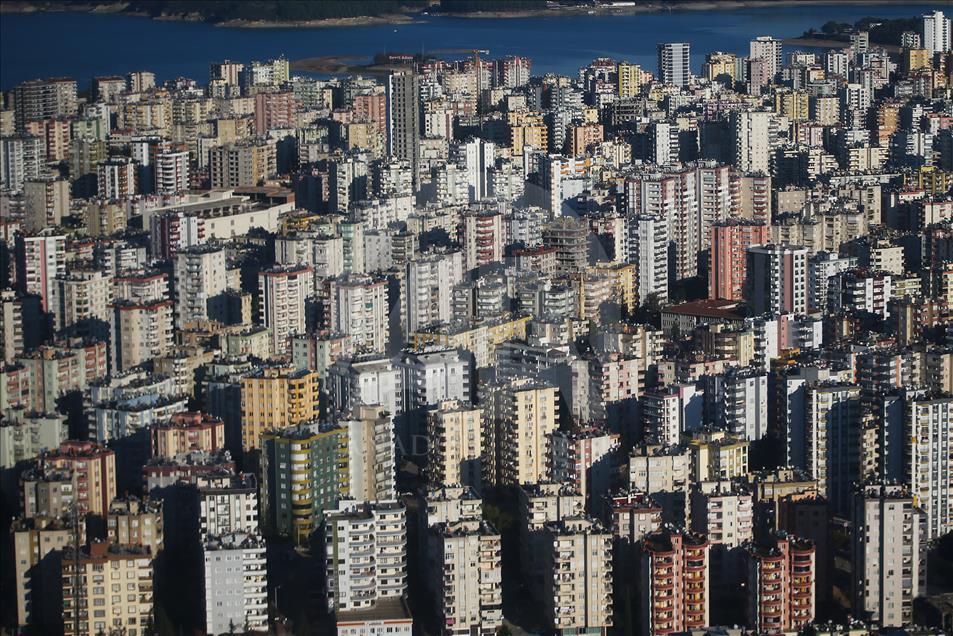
(455, 438)
(107, 589)
(466, 570)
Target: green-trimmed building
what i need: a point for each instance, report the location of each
(304, 472)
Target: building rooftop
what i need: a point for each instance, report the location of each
(386, 610)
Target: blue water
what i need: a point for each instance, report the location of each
(84, 45)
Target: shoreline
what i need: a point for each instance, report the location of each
(412, 17)
(658, 7)
(826, 43)
(327, 23)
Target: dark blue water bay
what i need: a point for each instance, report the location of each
(84, 45)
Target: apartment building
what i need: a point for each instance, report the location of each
(282, 303)
(730, 240)
(227, 503)
(539, 504)
(81, 299)
(359, 308)
(367, 567)
(92, 604)
(37, 542)
(92, 469)
(577, 577)
(140, 319)
(187, 431)
(781, 584)
(723, 511)
(716, 455)
(235, 583)
(634, 516)
(466, 572)
(664, 473)
(427, 290)
(929, 460)
(24, 434)
(526, 412)
(305, 471)
(44, 98)
(134, 521)
(171, 172)
(199, 274)
(40, 259)
(22, 158)
(45, 202)
(674, 582)
(483, 237)
(243, 164)
(777, 279)
(830, 440)
(888, 554)
(275, 398)
(455, 444)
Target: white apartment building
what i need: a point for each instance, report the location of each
(745, 409)
(22, 158)
(40, 259)
(25, 434)
(140, 317)
(669, 412)
(236, 583)
(724, 512)
(199, 277)
(671, 195)
(118, 178)
(479, 156)
(674, 63)
(648, 251)
(359, 309)
(821, 267)
(366, 554)
(371, 380)
(768, 49)
(860, 290)
(430, 376)
(172, 172)
(324, 254)
(283, 292)
(777, 279)
(448, 505)
(227, 505)
(81, 296)
(483, 238)
(937, 36)
(888, 554)
(426, 294)
(929, 432)
(755, 138)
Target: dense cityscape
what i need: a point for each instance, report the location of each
(440, 346)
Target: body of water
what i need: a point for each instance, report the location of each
(85, 45)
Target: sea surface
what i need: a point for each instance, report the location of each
(85, 45)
